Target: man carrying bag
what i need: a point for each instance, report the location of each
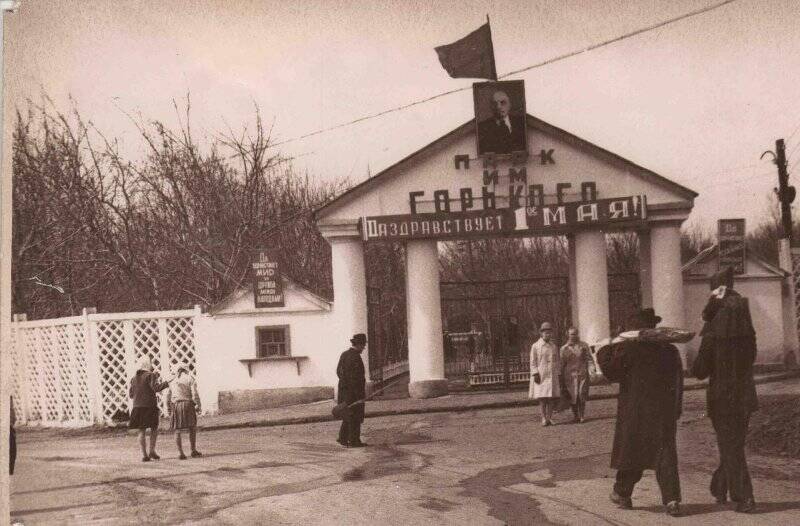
(352, 388)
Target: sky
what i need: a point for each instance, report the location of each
(697, 101)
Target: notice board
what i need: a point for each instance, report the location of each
(267, 284)
(732, 245)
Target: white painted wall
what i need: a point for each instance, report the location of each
(229, 334)
(764, 290)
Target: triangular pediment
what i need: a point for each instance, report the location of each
(556, 157)
(296, 299)
(705, 264)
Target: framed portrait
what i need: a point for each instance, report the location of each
(500, 117)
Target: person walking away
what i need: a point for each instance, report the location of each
(144, 386)
(576, 359)
(650, 376)
(726, 355)
(183, 404)
(545, 369)
(351, 389)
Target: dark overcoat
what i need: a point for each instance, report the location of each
(726, 355)
(493, 136)
(650, 377)
(352, 382)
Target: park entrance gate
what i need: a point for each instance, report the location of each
(490, 325)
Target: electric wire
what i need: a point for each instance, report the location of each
(505, 75)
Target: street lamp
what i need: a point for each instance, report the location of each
(6, 6)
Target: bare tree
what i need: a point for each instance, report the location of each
(171, 230)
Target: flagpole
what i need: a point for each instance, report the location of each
(491, 49)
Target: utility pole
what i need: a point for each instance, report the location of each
(786, 193)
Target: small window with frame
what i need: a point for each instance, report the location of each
(272, 341)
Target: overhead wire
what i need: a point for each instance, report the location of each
(505, 75)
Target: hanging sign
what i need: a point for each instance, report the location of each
(526, 220)
(732, 245)
(267, 284)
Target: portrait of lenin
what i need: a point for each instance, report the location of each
(500, 116)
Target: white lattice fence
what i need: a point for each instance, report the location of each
(76, 371)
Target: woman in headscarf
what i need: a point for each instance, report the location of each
(183, 404)
(144, 415)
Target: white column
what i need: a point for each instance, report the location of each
(424, 308)
(666, 276)
(573, 285)
(645, 280)
(349, 294)
(591, 286)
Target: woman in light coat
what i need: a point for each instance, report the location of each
(545, 371)
(576, 360)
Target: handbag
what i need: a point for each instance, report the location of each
(340, 410)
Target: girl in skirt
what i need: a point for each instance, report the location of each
(184, 404)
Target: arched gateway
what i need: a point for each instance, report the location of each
(565, 186)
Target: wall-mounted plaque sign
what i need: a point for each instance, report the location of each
(732, 245)
(267, 284)
(525, 220)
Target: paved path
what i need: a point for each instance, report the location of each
(463, 467)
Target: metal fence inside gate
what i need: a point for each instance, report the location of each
(76, 371)
(490, 325)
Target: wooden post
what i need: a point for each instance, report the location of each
(130, 352)
(93, 367)
(56, 360)
(163, 348)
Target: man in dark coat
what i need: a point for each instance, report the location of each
(727, 352)
(352, 388)
(650, 377)
(503, 132)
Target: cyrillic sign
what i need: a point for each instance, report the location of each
(545, 219)
(267, 284)
(732, 245)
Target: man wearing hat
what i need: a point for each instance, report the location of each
(545, 370)
(726, 355)
(352, 388)
(650, 376)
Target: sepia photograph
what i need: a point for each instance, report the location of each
(334, 262)
(500, 117)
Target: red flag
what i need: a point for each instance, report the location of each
(471, 56)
